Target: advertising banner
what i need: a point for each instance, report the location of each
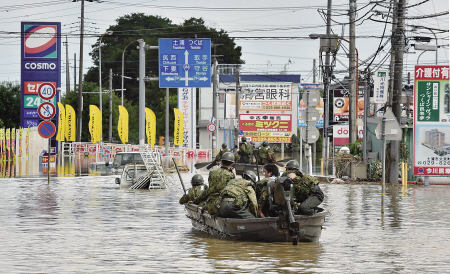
(40, 63)
(178, 128)
(275, 128)
(187, 106)
(266, 96)
(341, 136)
(302, 105)
(122, 124)
(150, 126)
(341, 104)
(431, 121)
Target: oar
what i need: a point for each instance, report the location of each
(202, 165)
(257, 166)
(179, 175)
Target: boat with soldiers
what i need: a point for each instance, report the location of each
(282, 225)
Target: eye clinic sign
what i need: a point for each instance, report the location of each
(40, 65)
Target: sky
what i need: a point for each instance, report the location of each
(293, 20)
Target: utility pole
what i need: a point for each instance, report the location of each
(326, 97)
(214, 112)
(238, 87)
(353, 112)
(392, 62)
(399, 47)
(67, 67)
(74, 71)
(141, 92)
(110, 104)
(166, 141)
(314, 71)
(80, 77)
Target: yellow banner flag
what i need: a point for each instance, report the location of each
(70, 126)
(122, 124)
(20, 142)
(2, 140)
(27, 142)
(178, 128)
(150, 126)
(8, 139)
(95, 123)
(61, 122)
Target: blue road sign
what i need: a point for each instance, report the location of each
(46, 129)
(184, 63)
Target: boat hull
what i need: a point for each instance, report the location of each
(270, 229)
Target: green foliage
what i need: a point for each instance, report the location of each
(356, 148)
(375, 170)
(135, 26)
(10, 105)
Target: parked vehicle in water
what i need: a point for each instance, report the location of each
(124, 158)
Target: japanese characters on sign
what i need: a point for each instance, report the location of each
(380, 86)
(265, 96)
(41, 59)
(274, 128)
(186, 104)
(431, 121)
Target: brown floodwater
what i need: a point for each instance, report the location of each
(88, 224)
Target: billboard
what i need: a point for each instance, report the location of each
(431, 121)
(341, 104)
(266, 96)
(380, 86)
(275, 128)
(40, 63)
(341, 136)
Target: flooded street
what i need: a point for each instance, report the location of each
(89, 224)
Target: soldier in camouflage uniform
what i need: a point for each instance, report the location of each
(217, 179)
(262, 192)
(195, 191)
(307, 193)
(238, 198)
(245, 151)
(221, 152)
(265, 154)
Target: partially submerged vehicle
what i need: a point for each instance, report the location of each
(136, 176)
(124, 158)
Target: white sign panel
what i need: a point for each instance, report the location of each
(380, 86)
(186, 104)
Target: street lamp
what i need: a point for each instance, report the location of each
(108, 32)
(435, 39)
(425, 48)
(123, 67)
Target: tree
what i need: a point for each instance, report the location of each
(10, 104)
(135, 26)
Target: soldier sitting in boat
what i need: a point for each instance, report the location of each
(196, 190)
(307, 194)
(238, 198)
(263, 190)
(245, 151)
(221, 152)
(265, 154)
(217, 179)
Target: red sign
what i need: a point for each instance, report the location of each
(46, 129)
(190, 154)
(431, 73)
(265, 122)
(202, 154)
(211, 127)
(31, 88)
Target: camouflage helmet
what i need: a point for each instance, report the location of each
(244, 139)
(265, 143)
(249, 175)
(292, 165)
(224, 145)
(197, 180)
(228, 157)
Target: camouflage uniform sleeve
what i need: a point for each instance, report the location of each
(186, 197)
(252, 198)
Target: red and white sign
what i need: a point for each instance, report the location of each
(341, 134)
(211, 127)
(47, 91)
(31, 88)
(46, 111)
(265, 122)
(202, 154)
(266, 96)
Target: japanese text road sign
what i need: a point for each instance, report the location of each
(46, 129)
(184, 63)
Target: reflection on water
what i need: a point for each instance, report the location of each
(89, 224)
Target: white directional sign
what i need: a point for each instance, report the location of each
(184, 63)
